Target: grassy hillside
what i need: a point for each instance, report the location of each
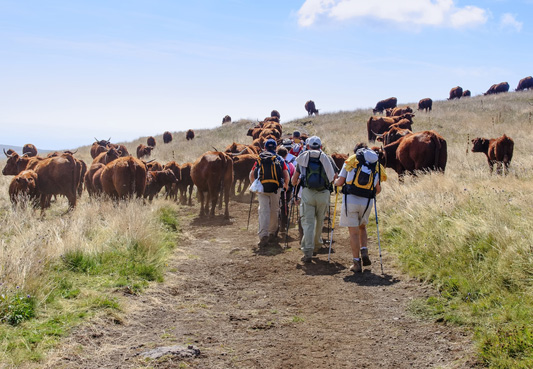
(466, 231)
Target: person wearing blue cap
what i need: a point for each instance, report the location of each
(273, 173)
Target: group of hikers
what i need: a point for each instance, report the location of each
(299, 172)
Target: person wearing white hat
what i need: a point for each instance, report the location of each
(315, 173)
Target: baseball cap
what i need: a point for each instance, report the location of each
(270, 143)
(314, 142)
(287, 142)
(296, 134)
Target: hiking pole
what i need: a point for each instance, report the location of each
(291, 213)
(250, 211)
(333, 225)
(377, 230)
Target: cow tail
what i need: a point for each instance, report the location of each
(132, 166)
(438, 148)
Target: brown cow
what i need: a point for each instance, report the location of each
(310, 108)
(378, 125)
(425, 104)
(242, 165)
(275, 113)
(456, 93)
(384, 104)
(150, 141)
(396, 112)
(144, 151)
(189, 135)
(93, 184)
(339, 159)
(269, 133)
(167, 137)
(107, 156)
(467, 93)
(98, 147)
(172, 189)
(123, 150)
(393, 134)
(155, 180)
(153, 166)
(498, 151)
(212, 172)
(273, 125)
(59, 175)
(239, 149)
(226, 119)
(421, 151)
(16, 164)
(29, 150)
(497, 88)
(24, 189)
(124, 177)
(525, 84)
(185, 183)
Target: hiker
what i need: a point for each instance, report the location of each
(286, 195)
(361, 177)
(290, 158)
(273, 173)
(315, 172)
(298, 144)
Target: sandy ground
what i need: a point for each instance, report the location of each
(248, 308)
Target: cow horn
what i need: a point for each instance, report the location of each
(6, 153)
(96, 139)
(149, 161)
(214, 148)
(75, 152)
(378, 134)
(238, 153)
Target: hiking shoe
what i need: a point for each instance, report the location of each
(263, 242)
(364, 257)
(356, 267)
(272, 239)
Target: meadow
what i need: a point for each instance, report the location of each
(467, 232)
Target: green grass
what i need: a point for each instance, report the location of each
(82, 283)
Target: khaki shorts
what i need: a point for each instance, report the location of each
(355, 216)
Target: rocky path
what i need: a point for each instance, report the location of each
(247, 308)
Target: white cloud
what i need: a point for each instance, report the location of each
(440, 13)
(508, 21)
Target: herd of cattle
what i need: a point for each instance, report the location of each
(116, 174)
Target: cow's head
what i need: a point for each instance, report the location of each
(112, 154)
(480, 145)
(11, 165)
(103, 142)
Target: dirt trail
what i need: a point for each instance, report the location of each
(246, 308)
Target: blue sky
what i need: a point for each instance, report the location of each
(75, 70)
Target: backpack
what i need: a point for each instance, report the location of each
(315, 175)
(362, 184)
(270, 171)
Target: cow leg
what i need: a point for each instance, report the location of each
(226, 202)
(491, 166)
(201, 198)
(190, 194)
(213, 196)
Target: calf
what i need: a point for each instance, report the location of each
(24, 188)
(144, 151)
(498, 151)
(242, 165)
(155, 180)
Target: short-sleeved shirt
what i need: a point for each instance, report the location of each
(353, 199)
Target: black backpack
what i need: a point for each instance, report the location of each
(270, 171)
(362, 184)
(315, 175)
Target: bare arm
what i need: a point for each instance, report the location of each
(295, 178)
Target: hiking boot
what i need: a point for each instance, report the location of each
(356, 267)
(272, 239)
(263, 242)
(364, 257)
(306, 259)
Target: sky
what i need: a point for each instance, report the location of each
(74, 70)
